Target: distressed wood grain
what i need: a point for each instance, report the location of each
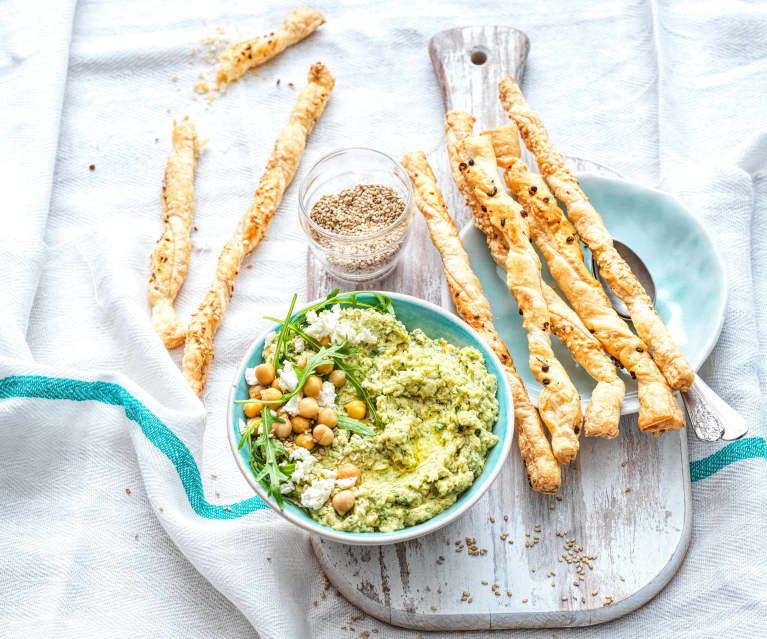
(624, 501)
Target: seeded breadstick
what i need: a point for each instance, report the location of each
(170, 258)
(557, 241)
(542, 469)
(595, 235)
(558, 403)
(603, 414)
(237, 59)
(280, 169)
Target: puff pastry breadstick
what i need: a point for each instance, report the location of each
(236, 60)
(603, 414)
(170, 257)
(280, 169)
(542, 468)
(557, 241)
(595, 235)
(558, 403)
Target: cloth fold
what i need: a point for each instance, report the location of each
(124, 513)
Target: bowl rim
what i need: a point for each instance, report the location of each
(349, 239)
(410, 532)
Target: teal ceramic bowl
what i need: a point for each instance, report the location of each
(681, 255)
(435, 322)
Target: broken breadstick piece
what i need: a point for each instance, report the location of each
(542, 468)
(280, 169)
(595, 235)
(236, 60)
(170, 257)
(558, 402)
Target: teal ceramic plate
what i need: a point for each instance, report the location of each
(435, 322)
(681, 255)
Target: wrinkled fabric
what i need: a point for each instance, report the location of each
(101, 534)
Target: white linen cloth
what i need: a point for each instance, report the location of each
(660, 91)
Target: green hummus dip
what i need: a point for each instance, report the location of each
(438, 406)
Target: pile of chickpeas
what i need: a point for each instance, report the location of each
(313, 425)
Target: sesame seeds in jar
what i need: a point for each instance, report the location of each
(354, 206)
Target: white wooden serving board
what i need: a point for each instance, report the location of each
(624, 501)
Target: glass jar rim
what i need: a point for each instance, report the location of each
(398, 170)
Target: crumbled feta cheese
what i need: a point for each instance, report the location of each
(329, 473)
(288, 380)
(323, 324)
(299, 452)
(327, 394)
(291, 406)
(269, 339)
(250, 376)
(243, 426)
(317, 493)
(299, 344)
(365, 335)
(346, 482)
(305, 462)
(287, 487)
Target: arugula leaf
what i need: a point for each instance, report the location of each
(361, 392)
(355, 426)
(272, 448)
(280, 346)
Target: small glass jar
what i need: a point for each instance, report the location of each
(355, 257)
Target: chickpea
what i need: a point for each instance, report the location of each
(301, 363)
(253, 409)
(271, 394)
(276, 384)
(312, 386)
(348, 470)
(265, 374)
(324, 369)
(337, 378)
(325, 341)
(356, 409)
(322, 435)
(304, 440)
(308, 407)
(254, 392)
(343, 502)
(300, 424)
(282, 429)
(328, 417)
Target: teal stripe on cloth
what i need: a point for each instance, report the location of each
(176, 451)
(748, 448)
(164, 439)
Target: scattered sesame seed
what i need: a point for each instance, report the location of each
(127, 491)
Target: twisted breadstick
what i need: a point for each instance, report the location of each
(237, 59)
(557, 241)
(558, 403)
(542, 469)
(603, 414)
(170, 257)
(595, 235)
(280, 170)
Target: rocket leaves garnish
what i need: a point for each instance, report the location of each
(266, 455)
